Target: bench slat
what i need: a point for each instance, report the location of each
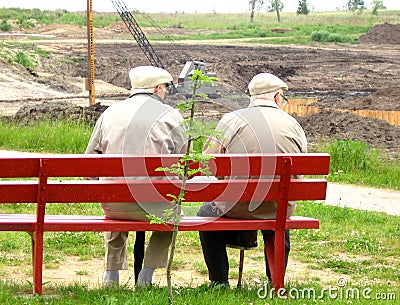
(62, 223)
(16, 222)
(117, 165)
(156, 191)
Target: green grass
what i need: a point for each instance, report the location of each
(354, 162)
(341, 26)
(24, 17)
(359, 245)
(21, 53)
(324, 36)
(352, 242)
(46, 136)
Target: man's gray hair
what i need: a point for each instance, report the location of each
(145, 90)
(264, 96)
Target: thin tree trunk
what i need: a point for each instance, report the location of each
(277, 11)
(179, 203)
(171, 258)
(253, 5)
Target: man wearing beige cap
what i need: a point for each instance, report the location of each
(141, 124)
(263, 127)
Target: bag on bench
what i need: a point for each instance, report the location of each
(242, 239)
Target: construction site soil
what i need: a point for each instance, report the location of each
(341, 77)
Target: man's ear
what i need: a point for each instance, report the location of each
(275, 95)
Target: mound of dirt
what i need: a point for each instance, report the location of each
(331, 124)
(382, 34)
(30, 114)
(379, 100)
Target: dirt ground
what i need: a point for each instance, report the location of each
(361, 76)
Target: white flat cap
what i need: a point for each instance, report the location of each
(144, 77)
(266, 82)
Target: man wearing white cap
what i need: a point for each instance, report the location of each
(141, 124)
(263, 127)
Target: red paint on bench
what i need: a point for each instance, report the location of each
(72, 190)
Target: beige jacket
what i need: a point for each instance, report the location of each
(142, 124)
(262, 127)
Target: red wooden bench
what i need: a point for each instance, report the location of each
(67, 189)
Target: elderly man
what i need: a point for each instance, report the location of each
(141, 124)
(263, 127)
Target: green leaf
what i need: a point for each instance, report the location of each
(154, 219)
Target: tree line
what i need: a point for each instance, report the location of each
(303, 7)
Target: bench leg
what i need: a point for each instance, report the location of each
(274, 247)
(37, 261)
(279, 276)
(241, 261)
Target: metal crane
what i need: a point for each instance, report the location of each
(137, 33)
(183, 80)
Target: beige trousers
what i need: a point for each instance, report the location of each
(156, 255)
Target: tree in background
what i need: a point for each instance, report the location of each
(302, 9)
(354, 5)
(253, 3)
(377, 5)
(272, 5)
(275, 5)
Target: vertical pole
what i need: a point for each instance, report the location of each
(90, 36)
(39, 229)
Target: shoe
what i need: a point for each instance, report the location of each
(111, 278)
(145, 277)
(143, 284)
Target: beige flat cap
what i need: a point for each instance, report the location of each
(144, 77)
(266, 82)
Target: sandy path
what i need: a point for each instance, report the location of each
(364, 198)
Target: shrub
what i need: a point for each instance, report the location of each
(324, 36)
(4, 26)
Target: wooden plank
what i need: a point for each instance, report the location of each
(18, 191)
(17, 222)
(120, 166)
(100, 223)
(19, 167)
(64, 223)
(157, 191)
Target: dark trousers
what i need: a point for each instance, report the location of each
(213, 244)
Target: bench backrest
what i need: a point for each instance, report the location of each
(258, 177)
(66, 167)
(70, 187)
